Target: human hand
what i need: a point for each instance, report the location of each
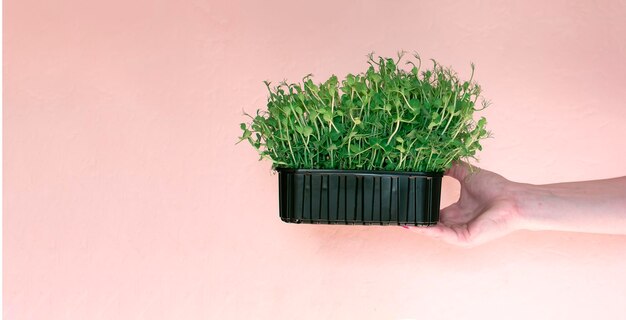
(486, 209)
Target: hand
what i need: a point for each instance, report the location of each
(486, 209)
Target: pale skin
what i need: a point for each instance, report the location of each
(490, 207)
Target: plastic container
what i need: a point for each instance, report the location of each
(359, 197)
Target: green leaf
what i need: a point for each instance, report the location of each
(350, 80)
(361, 87)
(375, 141)
(435, 120)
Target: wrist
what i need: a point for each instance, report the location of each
(527, 203)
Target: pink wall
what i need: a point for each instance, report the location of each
(126, 198)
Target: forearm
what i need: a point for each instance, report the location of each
(590, 206)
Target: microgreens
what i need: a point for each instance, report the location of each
(386, 118)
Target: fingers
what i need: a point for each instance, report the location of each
(448, 217)
(439, 231)
(464, 235)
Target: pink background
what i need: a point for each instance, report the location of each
(126, 198)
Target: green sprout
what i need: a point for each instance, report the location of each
(386, 118)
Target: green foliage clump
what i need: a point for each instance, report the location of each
(385, 118)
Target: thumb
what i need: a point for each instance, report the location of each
(459, 170)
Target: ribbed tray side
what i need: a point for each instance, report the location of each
(362, 198)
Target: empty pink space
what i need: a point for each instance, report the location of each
(125, 196)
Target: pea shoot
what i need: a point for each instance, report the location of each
(386, 118)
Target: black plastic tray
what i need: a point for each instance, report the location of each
(359, 197)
